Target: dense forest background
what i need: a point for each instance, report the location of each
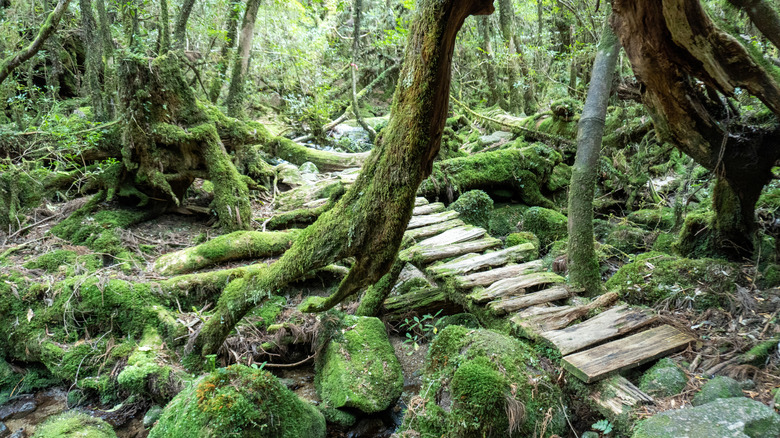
(192, 185)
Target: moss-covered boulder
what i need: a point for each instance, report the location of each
(504, 219)
(239, 401)
(524, 237)
(653, 218)
(146, 374)
(548, 225)
(738, 417)
(663, 379)
(73, 424)
(481, 383)
(686, 283)
(358, 368)
(474, 207)
(628, 239)
(718, 387)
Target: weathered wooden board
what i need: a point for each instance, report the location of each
(514, 286)
(605, 326)
(541, 309)
(454, 235)
(502, 307)
(489, 277)
(428, 254)
(626, 353)
(472, 264)
(436, 207)
(560, 317)
(433, 229)
(428, 219)
(420, 201)
(617, 395)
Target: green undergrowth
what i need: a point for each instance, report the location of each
(74, 424)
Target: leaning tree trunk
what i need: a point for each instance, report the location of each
(583, 264)
(368, 223)
(231, 28)
(764, 16)
(670, 41)
(235, 98)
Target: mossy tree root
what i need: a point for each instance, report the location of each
(369, 221)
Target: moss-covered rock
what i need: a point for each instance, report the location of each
(145, 374)
(358, 368)
(664, 379)
(770, 277)
(503, 219)
(653, 218)
(718, 387)
(560, 178)
(654, 276)
(738, 417)
(524, 237)
(242, 402)
(73, 424)
(665, 243)
(548, 225)
(477, 381)
(628, 239)
(474, 207)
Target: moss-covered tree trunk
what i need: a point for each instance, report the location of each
(231, 31)
(669, 43)
(764, 16)
(180, 29)
(506, 16)
(486, 53)
(583, 264)
(235, 98)
(369, 221)
(94, 61)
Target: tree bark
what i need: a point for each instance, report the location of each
(764, 16)
(368, 223)
(94, 60)
(486, 53)
(506, 16)
(231, 27)
(9, 64)
(356, 13)
(583, 264)
(165, 28)
(235, 98)
(180, 30)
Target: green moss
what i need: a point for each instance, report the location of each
(717, 387)
(627, 239)
(50, 262)
(654, 277)
(479, 391)
(664, 379)
(504, 219)
(524, 237)
(652, 219)
(474, 208)
(144, 373)
(74, 424)
(548, 225)
(560, 178)
(242, 402)
(665, 243)
(337, 416)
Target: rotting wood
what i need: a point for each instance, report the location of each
(605, 326)
(561, 318)
(486, 278)
(514, 286)
(428, 219)
(617, 395)
(428, 254)
(502, 307)
(542, 309)
(433, 229)
(455, 235)
(436, 207)
(626, 353)
(472, 264)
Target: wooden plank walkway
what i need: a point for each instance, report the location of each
(505, 284)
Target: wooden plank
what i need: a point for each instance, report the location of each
(454, 235)
(433, 229)
(472, 264)
(560, 318)
(541, 309)
(617, 395)
(428, 254)
(489, 277)
(420, 201)
(605, 326)
(502, 307)
(436, 207)
(514, 286)
(428, 219)
(626, 353)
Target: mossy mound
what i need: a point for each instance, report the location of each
(474, 207)
(74, 424)
(64, 260)
(524, 237)
(145, 374)
(718, 387)
(358, 368)
(477, 381)
(239, 401)
(629, 240)
(548, 225)
(652, 219)
(504, 219)
(664, 379)
(654, 277)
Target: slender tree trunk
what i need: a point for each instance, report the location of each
(486, 54)
(107, 64)
(506, 16)
(165, 28)
(231, 27)
(583, 264)
(94, 60)
(235, 99)
(369, 221)
(9, 64)
(356, 13)
(180, 30)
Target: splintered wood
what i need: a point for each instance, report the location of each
(515, 286)
(626, 353)
(479, 262)
(618, 395)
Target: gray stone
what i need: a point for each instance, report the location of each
(20, 433)
(738, 417)
(496, 137)
(4, 431)
(290, 175)
(309, 167)
(17, 407)
(152, 415)
(718, 387)
(590, 434)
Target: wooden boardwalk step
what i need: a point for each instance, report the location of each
(514, 286)
(436, 207)
(560, 317)
(433, 229)
(454, 235)
(605, 326)
(502, 307)
(420, 201)
(428, 219)
(477, 263)
(428, 254)
(617, 395)
(626, 353)
(489, 277)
